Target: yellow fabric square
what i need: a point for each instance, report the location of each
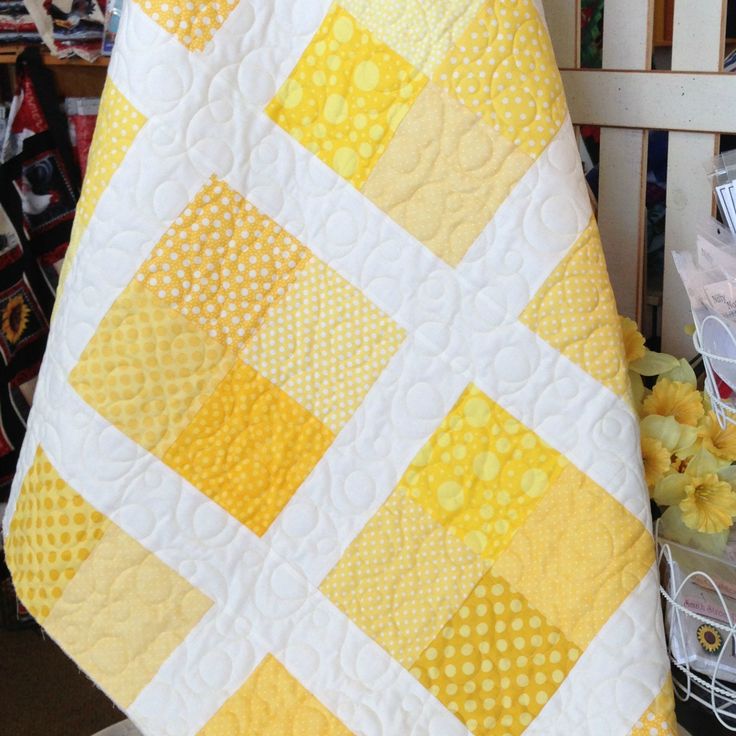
(222, 264)
(249, 448)
(273, 703)
(193, 23)
(147, 369)
(497, 661)
(52, 533)
(659, 719)
(118, 123)
(445, 174)
(324, 344)
(575, 312)
(421, 32)
(503, 68)
(578, 556)
(346, 96)
(482, 473)
(403, 577)
(123, 614)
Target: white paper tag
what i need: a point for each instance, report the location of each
(722, 298)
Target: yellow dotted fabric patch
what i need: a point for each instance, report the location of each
(273, 703)
(497, 661)
(503, 68)
(559, 549)
(118, 124)
(222, 264)
(147, 369)
(575, 312)
(249, 448)
(193, 23)
(346, 96)
(52, 533)
(482, 473)
(421, 32)
(403, 577)
(324, 344)
(445, 174)
(659, 719)
(123, 615)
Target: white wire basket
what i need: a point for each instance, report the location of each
(724, 409)
(706, 687)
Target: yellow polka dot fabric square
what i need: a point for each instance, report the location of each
(194, 23)
(659, 718)
(482, 473)
(582, 541)
(324, 344)
(222, 264)
(346, 96)
(249, 448)
(497, 661)
(147, 369)
(575, 312)
(272, 702)
(52, 533)
(503, 68)
(118, 124)
(403, 577)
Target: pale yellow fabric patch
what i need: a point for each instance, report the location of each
(273, 703)
(346, 96)
(147, 369)
(324, 344)
(497, 661)
(575, 312)
(222, 264)
(194, 24)
(52, 533)
(421, 32)
(249, 447)
(482, 473)
(123, 614)
(503, 68)
(403, 577)
(118, 123)
(445, 174)
(659, 719)
(578, 556)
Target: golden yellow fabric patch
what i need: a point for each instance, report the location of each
(659, 719)
(324, 344)
(273, 703)
(194, 24)
(503, 68)
(482, 473)
(222, 264)
(346, 96)
(575, 312)
(52, 533)
(123, 614)
(597, 564)
(249, 448)
(118, 123)
(421, 32)
(403, 577)
(497, 661)
(147, 369)
(444, 174)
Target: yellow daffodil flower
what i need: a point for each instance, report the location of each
(663, 438)
(656, 459)
(674, 399)
(718, 441)
(633, 340)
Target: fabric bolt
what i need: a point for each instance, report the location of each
(334, 433)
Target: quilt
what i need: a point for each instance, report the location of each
(333, 433)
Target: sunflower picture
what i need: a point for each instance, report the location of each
(710, 638)
(15, 318)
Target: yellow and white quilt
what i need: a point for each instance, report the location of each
(333, 435)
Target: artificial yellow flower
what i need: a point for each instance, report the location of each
(633, 340)
(656, 459)
(15, 318)
(709, 504)
(721, 442)
(674, 399)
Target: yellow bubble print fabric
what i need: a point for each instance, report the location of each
(334, 433)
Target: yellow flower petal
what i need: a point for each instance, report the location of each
(674, 399)
(633, 340)
(656, 458)
(671, 489)
(720, 442)
(673, 435)
(709, 505)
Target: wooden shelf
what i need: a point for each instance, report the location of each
(8, 55)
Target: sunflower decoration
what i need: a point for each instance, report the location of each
(15, 318)
(710, 638)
